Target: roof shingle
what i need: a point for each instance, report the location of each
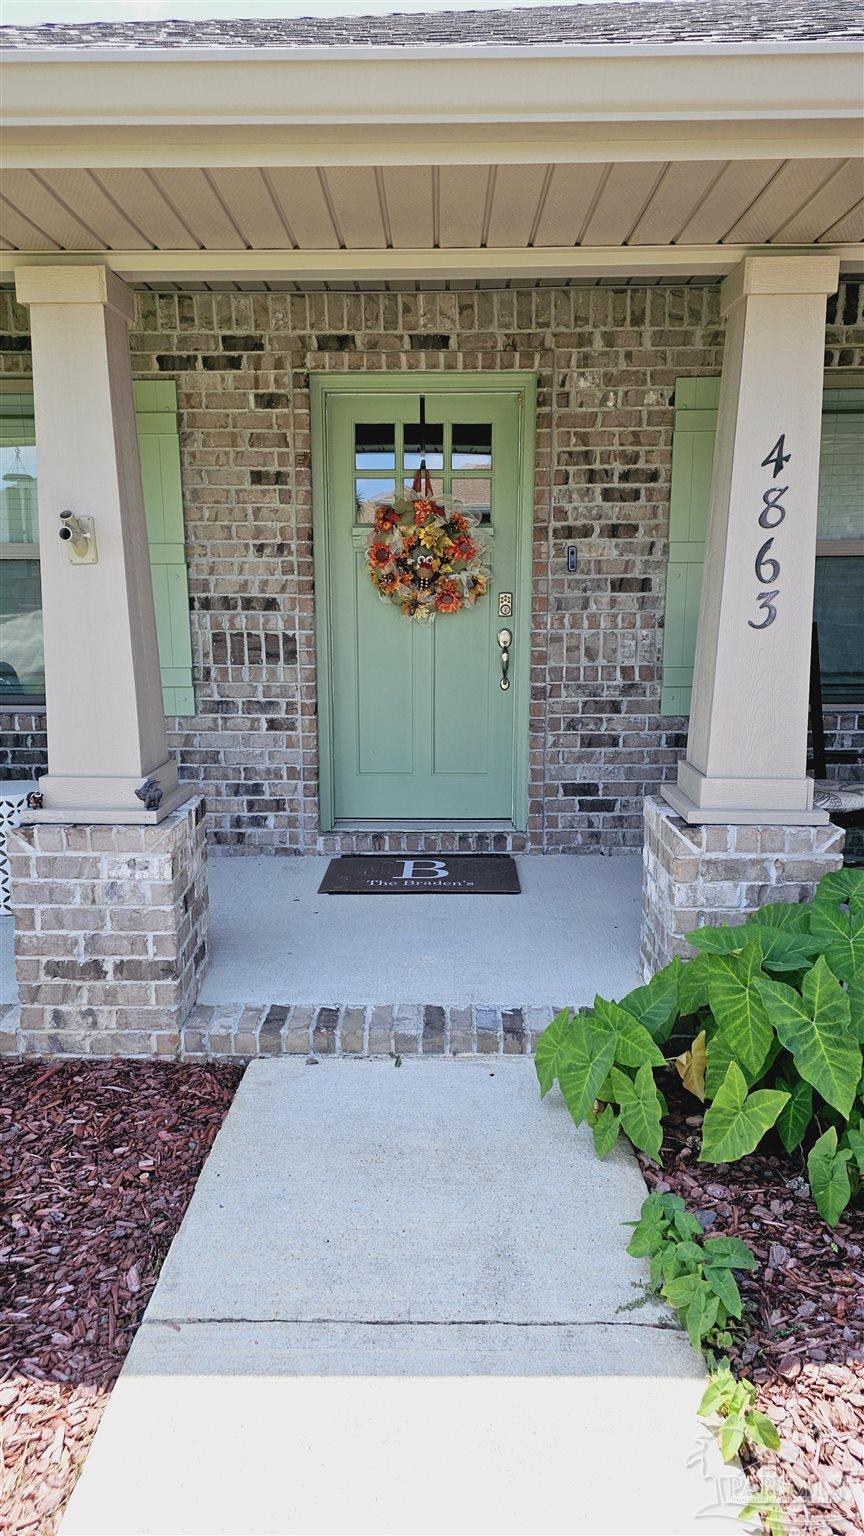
(587, 22)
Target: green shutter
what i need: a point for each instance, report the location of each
(156, 417)
(696, 403)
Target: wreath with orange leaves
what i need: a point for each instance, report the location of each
(426, 556)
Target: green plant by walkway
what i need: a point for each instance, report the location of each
(764, 1025)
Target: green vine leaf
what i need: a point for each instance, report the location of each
(730, 1252)
(829, 1177)
(723, 1284)
(736, 1121)
(815, 1027)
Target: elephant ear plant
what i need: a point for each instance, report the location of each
(764, 1025)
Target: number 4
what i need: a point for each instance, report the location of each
(776, 456)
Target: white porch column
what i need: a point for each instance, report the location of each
(106, 725)
(746, 752)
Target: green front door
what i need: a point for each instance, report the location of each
(418, 727)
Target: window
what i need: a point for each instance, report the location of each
(839, 597)
(22, 669)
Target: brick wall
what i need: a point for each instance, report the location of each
(606, 360)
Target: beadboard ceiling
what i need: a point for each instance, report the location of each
(466, 207)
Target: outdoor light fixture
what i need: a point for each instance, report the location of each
(79, 534)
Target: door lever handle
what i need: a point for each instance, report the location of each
(505, 640)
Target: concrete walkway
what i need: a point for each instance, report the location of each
(400, 1302)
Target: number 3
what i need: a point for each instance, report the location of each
(768, 606)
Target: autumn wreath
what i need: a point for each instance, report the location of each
(425, 556)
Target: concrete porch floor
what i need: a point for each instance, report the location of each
(573, 932)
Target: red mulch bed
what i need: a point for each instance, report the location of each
(98, 1162)
(805, 1309)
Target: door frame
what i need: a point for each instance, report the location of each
(324, 386)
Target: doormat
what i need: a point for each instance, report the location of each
(459, 874)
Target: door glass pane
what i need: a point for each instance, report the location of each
(437, 484)
(22, 669)
(369, 491)
(472, 445)
(838, 609)
(475, 494)
(18, 514)
(374, 445)
(416, 438)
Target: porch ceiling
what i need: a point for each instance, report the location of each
(683, 203)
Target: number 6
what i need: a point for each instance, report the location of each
(766, 570)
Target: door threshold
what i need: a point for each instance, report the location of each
(370, 825)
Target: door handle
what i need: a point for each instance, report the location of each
(505, 640)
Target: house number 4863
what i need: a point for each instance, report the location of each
(766, 565)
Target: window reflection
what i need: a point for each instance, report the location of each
(430, 437)
(472, 445)
(368, 492)
(22, 669)
(374, 445)
(19, 522)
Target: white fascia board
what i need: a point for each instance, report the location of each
(437, 87)
(624, 262)
(39, 147)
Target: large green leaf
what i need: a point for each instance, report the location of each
(791, 916)
(736, 1121)
(815, 1028)
(841, 936)
(855, 1137)
(738, 1008)
(855, 994)
(794, 1117)
(783, 950)
(829, 1177)
(717, 1065)
(640, 1108)
(656, 1005)
(701, 1315)
(693, 985)
(605, 1131)
(584, 1063)
(841, 885)
(634, 1044)
(725, 940)
(549, 1050)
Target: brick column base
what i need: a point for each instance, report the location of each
(111, 934)
(705, 876)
